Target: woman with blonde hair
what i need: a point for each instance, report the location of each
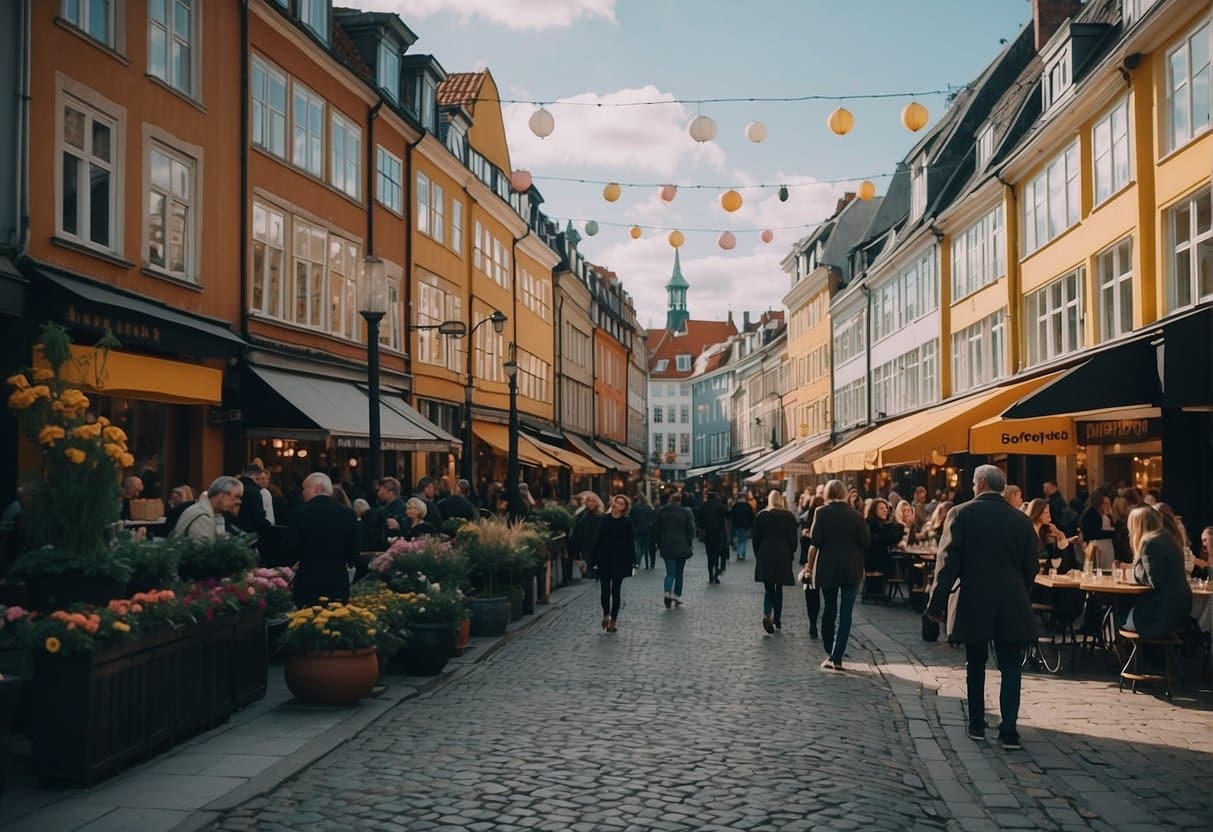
(904, 514)
(1158, 563)
(775, 547)
(584, 536)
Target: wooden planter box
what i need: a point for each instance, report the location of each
(204, 694)
(250, 658)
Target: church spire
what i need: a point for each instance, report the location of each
(676, 314)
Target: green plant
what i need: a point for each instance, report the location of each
(153, 562)
(331, 626)
(411, 565)
(452, 525)
(52, 561)
(557, 518)
(226, 555)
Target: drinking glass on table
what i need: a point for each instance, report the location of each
(1055, 563)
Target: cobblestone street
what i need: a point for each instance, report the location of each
(695, 719)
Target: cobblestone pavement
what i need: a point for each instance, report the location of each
(695, 719)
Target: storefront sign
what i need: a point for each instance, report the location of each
(1112, 431)
(225, 415)
(363, 443)
(1043, 436)
(127, 331)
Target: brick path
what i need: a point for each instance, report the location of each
(695, 719)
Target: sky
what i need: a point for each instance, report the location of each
(678, 52)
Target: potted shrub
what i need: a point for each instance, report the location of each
(153, 563)
(227, 555)
(432, 617)
(333, 653)
(491, 548)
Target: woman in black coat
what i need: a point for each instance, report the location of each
(884, 534)
(774, 536)
(812, 595)
(840, 538)
(1159, 564)
(615, 556)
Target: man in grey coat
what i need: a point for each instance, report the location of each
(674, 528)
(992, 549)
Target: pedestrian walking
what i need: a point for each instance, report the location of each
(713, 519)
(993, 550)
(642, 521)
(614, 556)
(741, 520)
(322, 538)
(839, 538)
(584, 535)
(674, 528)
(809, 503)
(774, 537)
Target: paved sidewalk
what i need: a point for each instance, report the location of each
(255, 750)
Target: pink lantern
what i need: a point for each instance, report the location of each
(520, 181)
(767, 235)
(668, 192)
(726, 240)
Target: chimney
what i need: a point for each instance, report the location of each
(842, 203)
(1048, 15)
(746, 319)
(731, 319)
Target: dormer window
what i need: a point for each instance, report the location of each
(918, 189)
(425, 108)
(388, 70)
(456, 140)
(683, 363)
(1057, 78)
(315, 14)
(662, 365)
(985, 146)
(1134, 9)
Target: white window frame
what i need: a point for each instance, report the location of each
(682, 363)
(662, 365)
(391, 335)
(1179, 97)
(457, 226)
(423, 203)
(387, 69)
(170, 39)
(1057, 78)
(979, 254)
(1110, 151)
(979, 352)
(985, 146)
(437, 213)
(1133, 10)
(918, 189)
(170, 194)
(79, 14)
(315, 290)
(307, 138)
(267, 244)
(389, 184)
(1045, 218)
(263, 113)
(1184, 252)
(1057, 302)
(343, 266)
(345, 158)
(1114, 271)
(95, 110)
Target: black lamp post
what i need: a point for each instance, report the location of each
(373, 306)
(498, 320)
(778, 420)
(512, 470)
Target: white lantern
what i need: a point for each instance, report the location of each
(702, 129)
(542, 123)
(756, 131)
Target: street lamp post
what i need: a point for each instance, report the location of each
(512, 472)
(466, 472)
(373, 306)
(778, 419)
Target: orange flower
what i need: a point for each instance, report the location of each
(20, 399)
(127, 461)
(87, 431)
(114, 434)
(19, 381)
(75, 455)
(51, 644)
(50, 434)
(136, 608)
(40, 391)
(43, 374)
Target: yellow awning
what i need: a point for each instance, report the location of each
(580, 466)
(528, 454)
(117, 373)
(1044, 435)
(926, 437)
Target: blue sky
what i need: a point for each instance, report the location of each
(614, 51)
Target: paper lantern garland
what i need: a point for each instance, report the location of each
(591, 228)
(756, 132)
(726, 240)
(668, 192)
(542, 123)
(866, 190)
(841, 121)
(677, 238)
(730, 201)
(611, 192)
(914, 116)
(767, 235)
(702, 129)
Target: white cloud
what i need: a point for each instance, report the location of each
(650, 138)
(512, 14)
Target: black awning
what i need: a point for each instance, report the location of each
(1125, 375)
(1187, 360)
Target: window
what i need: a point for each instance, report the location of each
(456, 141)
(905, 298)
(390, 333)
(661, 366)
(431, 311)
(269, 241)
(88, 191)
(388, 187)
(1111, 152)
(979, 352)
(533, 373)
(670, 413)
(985, 146)
(1116, 290)
(1057, 78)
(1191, 254)
(1053, 318)
(423, 203)
(170, 36)
(684, 443)
(684, 413)
(387, 74)
(918, 189)
(1189, 94)
(307, 150)
(343, 289)
(428, 112)
(94, 17)
(850, 340)
(907, 381)
(315, 15)
(657, 411)
(170, 212)
(345, 163)
(477, 253)
(671, 442)
(311, 243)
(269, 108)
(1134, 9)
(437, 212)
(683, 363)
(456, 226)
(657, 437)
(850, 403)
(979, 255)
(1050, 201)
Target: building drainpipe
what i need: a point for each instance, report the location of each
(1014, 281)
(21, 157)
(407, 289)
(867, 349)
(245, 196)
(559, 391)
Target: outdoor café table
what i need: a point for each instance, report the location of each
(1202, 611)
(1112, 596)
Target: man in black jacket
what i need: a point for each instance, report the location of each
(323, 539)
(741, 518)
(252, 519)
(427, 492)
(642, 519)
(713, 519)
(674, 528)
(391, 507)
(458, 504)
(993, 550)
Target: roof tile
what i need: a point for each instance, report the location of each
(460, 88)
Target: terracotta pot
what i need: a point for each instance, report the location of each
(332, 677)
(463, 634)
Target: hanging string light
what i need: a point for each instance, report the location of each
(591, 228)
(542, 123)
(730, 201)
(841, 121)
(702, 129)
(756, 132)
(726, 240)
(611, 192)
(677, 238)
(635, 232)
(668, 192)
(866, 190)
(914, 116)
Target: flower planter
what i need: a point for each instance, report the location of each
(51, 592)
(206, 675)
(463, 634)
(250, 658)
(429, 648)
(10, 698)
(332, 677)
(489, 616)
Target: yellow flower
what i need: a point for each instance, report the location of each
(19, 381)
(114, 434)
(104, 422)
(87, 431)
(122, 626)
(43, 374)
(127, 461)
(113, 451)
(75, 455)
(50, 434)
(40, 391)
(51, 644)
(20, 399)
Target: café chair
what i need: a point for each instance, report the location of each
(1133, 671)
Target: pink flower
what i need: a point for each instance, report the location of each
(14, 613)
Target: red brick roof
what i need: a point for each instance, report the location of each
(668, 345)
(460, 88)
(345, 48)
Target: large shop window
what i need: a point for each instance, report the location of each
(1053, 318)
(1190, 227)
(88, 193)
(170, 212)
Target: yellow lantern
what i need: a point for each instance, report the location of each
(677, 238)
(914, 116)
(635, 232)
(866, 191)
(841, 121)
(611, 192)
(730, 201)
